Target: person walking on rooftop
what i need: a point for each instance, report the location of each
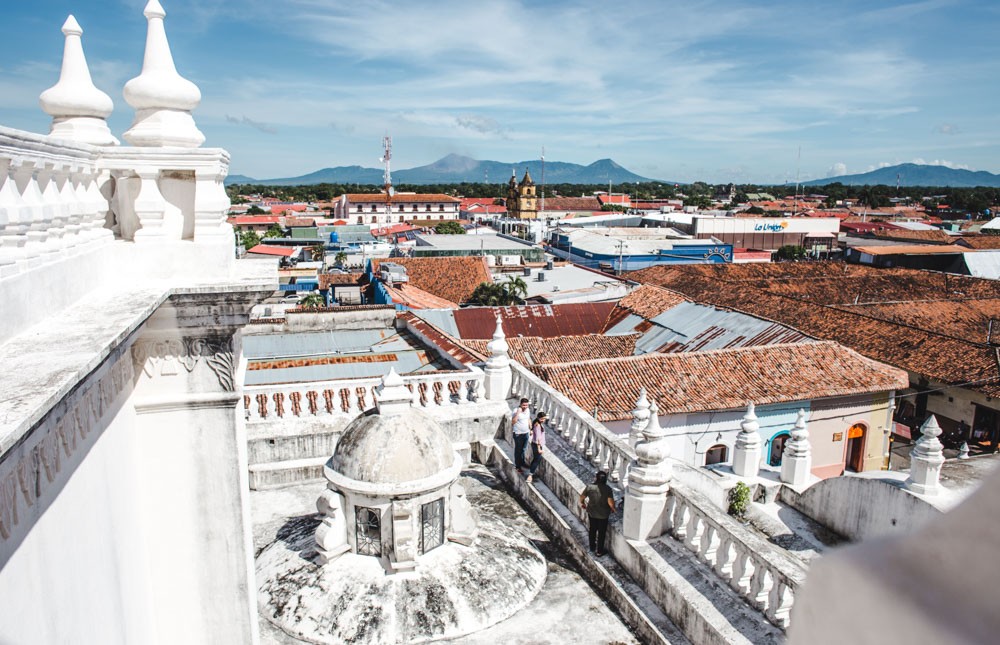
(599, 500)
(521, 428)
(537, 443)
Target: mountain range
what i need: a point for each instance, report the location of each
(454, 169)
(911, 174)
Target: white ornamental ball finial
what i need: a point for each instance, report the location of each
(77, 107)
(749, 423)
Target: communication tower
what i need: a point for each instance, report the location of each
(387, 177)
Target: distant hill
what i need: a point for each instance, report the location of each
(916, 175)
(454, 169)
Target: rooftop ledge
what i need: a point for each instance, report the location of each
(43, 363)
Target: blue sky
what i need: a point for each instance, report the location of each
(714, 90)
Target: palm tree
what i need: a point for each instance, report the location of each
(516, 288)
(340, 259)
(312, 301)
(317, 252)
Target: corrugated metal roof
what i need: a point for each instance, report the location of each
(271, 346)
(404, 362)
(443, 319)
(701, 328)
(545, 321)
(983, 264)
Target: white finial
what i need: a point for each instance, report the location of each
(747, 448)
(392, 396)
(640, 417)
(796, 460)
(926, 460)
(78, 109)
(162, 98)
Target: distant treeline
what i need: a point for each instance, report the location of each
(971, 200)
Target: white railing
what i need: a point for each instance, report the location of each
(753, 567)
(351, 397)
(51, 202)
(756, 569)
(607, 451)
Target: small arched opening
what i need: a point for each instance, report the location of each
(717, 454)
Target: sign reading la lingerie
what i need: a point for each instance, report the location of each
(771, 227)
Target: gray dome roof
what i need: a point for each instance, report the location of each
(393, 449)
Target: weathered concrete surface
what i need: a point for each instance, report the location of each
(566, 610)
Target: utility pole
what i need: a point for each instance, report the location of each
(386, 176)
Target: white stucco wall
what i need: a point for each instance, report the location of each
(79, 574)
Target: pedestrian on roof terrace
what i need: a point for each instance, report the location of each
(537, 443)
(521, 428)
(599, 500)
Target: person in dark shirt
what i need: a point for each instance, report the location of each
(599, 500)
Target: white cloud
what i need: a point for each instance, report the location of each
(837, 170)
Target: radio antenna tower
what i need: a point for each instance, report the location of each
(387, 177)
(543, 179)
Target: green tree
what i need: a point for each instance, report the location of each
(449, 228)
(317, 252)
(274, 231)
(249, 239)
(256, 210)
(492, 294)
(698, 201)
(340, 259)
(312, 301)
(791, 252)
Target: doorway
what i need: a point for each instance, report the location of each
(777, 448)
(716, 455)
(855, 459)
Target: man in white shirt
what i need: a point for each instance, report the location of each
(521, 427)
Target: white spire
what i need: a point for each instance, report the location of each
(640, 417)
(162, 98)
(926, 460)
(392, 397)
(796, 461)
(747, 448)
(78, 109)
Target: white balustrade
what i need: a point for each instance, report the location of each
(750, 565)
(352, 397)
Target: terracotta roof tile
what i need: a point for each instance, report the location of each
(649, 301)
(928, 323)
(532, 350)
(416, 298)
(327, 279)
(445, 342)
(450, 278)
(725, 379)
(912, 249)
(980, 242)
(572, 204)
(937, 236)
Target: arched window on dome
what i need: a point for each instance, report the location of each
(431, 525)
(368, 531)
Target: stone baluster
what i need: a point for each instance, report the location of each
(75, 206)
(649, 481)
(679, 517)
(97, 209)
(694, 529)
(759, 586)
(723, 557)
(779, 602)
(37, 227)
(607, 462)
(57, 211)
(796, 461)
(12, 222)
(150, 209)
(709, 543)
(414, 388)
(640, 417)
(747, 451)
(568, 427)
(926, 460)
(742, 569)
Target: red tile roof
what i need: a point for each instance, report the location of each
(980, 242)
(416, 298)
(246, 220)
(534, 350)
(545, 321)
(942, 338)
(278, 251)
(726, 379)
(912, 249)
(392, 229)
(300, 222)
(283, 208)
(649, 301)
(450, 278)
(589, 204)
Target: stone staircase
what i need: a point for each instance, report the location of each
(282, 454)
